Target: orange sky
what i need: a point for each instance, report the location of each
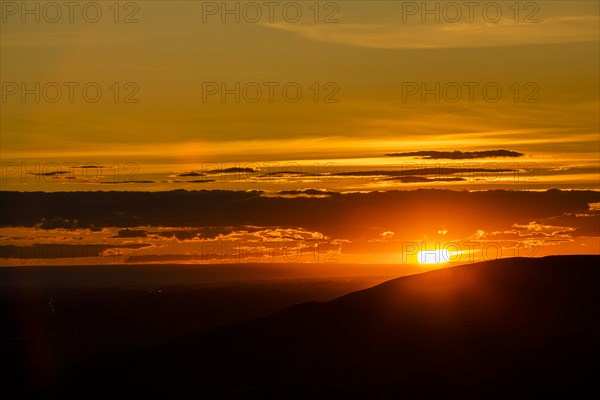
(356, 68)
(304, 101)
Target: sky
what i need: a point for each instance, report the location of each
(344, 90)
(301, 100)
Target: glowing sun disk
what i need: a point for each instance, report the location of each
(435, 256)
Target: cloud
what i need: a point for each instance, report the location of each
(415, 179)
(190, 173)
(440, 174)
(54, 251)
(191, 181)
(242, 245)
(308, 193)
(53, 173)
(579, 225)
(181, 234)
(457, 155)
(448, 35)
(202, 233)
(285, 173)
(123, 182)
(422, 171)
(56, 223)
(164, 258)
(236, 226)
(131, 233)
(409, 214)
(231, 170)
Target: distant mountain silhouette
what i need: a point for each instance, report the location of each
(509, 328)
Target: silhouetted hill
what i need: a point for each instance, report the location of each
(500, 329)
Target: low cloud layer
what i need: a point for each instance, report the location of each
(296, 226)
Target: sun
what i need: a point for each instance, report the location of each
(434, 256)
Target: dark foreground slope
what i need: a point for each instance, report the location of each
(501, 329)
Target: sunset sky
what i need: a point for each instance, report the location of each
(193, 99)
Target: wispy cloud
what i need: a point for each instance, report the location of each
(449, 35)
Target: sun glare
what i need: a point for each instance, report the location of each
(434, 256)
